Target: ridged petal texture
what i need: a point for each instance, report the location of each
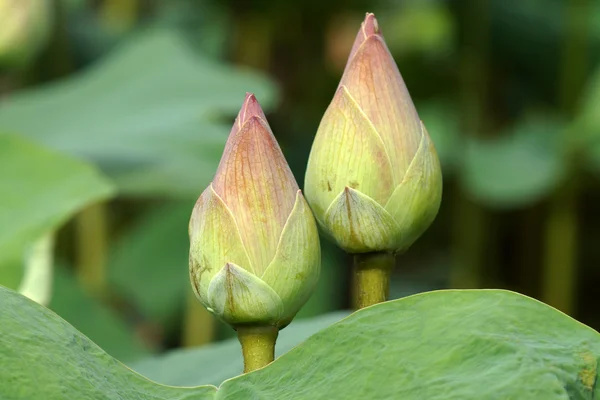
(214, 241)
(361, 224)
(294, 272)
(256, 184)
(238, 297)
(415, 202)
(347, 152)
(374, 82)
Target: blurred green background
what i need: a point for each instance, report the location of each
(114, 114)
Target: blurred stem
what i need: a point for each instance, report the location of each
(560, 259)
(574, 53)
(258, 346)
(470, 233)
(470, 242)
(91, 226)
(198, 325)
(560, 241)
(528, 244)
(120, 14)
(253, 41)
(37, 281)
(372, 278)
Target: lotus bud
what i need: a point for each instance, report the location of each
(24, 28)
(254, 244)
(373, 178)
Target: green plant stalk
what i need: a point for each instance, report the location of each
(258, 346)
(372, 278)
(120, 14)
(560, 240)
(198, 324)
(91, 227)
(470, 234)
(37, 280)
(471, 240)
(560, 258)
(252, 41)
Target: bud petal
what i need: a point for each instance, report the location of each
(239, 297)
(294, 272)
(256, 183)
(214, 241)
(359, 224)
(347, 152)
(416, 201)
(373, 80)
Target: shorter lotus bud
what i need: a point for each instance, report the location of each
(254, 245)
(24, 29)
(373, 178)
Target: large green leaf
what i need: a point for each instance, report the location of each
(471, 344)
(214, 363)
(148, 114)
(41, 189)
(43, 357)
(438, 345)
(521, 167)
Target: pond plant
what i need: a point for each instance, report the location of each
(373, 186)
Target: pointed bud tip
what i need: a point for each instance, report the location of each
(370, 26)
(250, 108)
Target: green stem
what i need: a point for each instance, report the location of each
(471, 240)
(470, 232)
(560, 241)
(372, 278)
(258, 346)
(560, 263)
(91, 226)
(198, 324)
(37, 280)
(120, 14)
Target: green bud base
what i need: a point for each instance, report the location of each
(258, 346)
(372, 278)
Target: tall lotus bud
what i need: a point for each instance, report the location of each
(254, 245)
(373, 179)
(24, 28)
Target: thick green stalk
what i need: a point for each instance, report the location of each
(470, 219)
(372, 278)
(560, 258)
(258, 346)
(37, 280)
(91, 227)
(198, 324)
(471, 240)
(120, 14)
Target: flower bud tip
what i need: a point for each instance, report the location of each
(250, 108)
(370, 25)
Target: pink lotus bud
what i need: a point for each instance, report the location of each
(254, 247)
(373, 179)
